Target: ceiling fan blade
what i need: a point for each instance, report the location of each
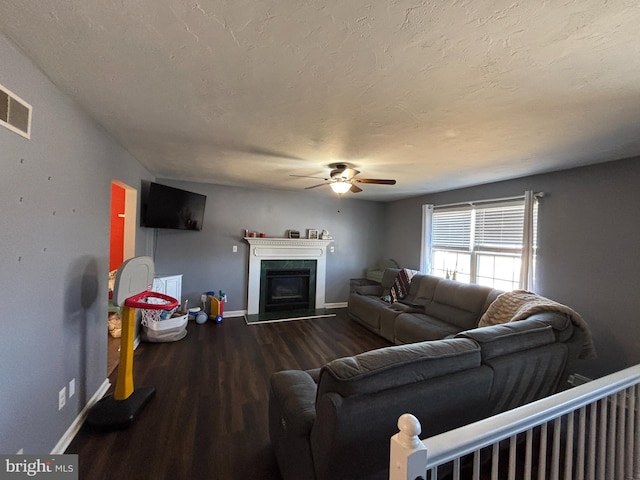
(308, 176)
(355, 189)
(315, 186)
(378, 181)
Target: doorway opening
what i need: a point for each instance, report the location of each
(122, 245)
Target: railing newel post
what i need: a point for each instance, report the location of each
(408, 454)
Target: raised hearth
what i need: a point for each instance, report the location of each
(285, 249)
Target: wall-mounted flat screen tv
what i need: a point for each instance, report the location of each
(169, 207)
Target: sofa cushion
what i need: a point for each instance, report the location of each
(425, 288)
(526, 376)
(458, 303)
(350, 439)
(366, 310)
(418, 327)
(390, 367)
(498, 340)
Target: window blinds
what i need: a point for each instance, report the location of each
(486, 227)
(452, 229)
(499, 227)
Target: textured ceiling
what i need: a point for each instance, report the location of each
(436, 94)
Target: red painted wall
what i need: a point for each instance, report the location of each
(116, 252)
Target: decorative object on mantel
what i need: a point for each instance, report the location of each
(325, 235)
(312, 234)
(293, 233)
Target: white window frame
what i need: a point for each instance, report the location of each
(505, 237)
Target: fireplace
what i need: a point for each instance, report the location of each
(287, 289)
(293, 254)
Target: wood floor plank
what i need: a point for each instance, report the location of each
(208, 419)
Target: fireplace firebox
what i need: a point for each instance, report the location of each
(287, 290)
(287, 285)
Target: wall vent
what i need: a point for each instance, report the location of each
(15, 113)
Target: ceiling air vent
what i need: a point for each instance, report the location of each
(15, 113)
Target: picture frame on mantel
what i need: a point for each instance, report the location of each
(312, 234)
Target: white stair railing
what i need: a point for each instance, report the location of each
(590, 432)
(408, 453)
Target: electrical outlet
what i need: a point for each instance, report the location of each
(62, 398)
(235, 249)
(72, 387)
(203, 298)
(332, 249)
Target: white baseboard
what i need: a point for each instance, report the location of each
(241, 313)
(73, 430)
(336, 305)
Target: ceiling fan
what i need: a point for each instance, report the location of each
(342, 179)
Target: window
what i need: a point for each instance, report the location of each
(488, 243)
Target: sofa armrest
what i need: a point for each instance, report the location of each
(373, 290)
(295, 394)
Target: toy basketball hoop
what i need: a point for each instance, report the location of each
(141, 300)
(131, 291)
(151, 305)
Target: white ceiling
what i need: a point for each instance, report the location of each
(436, 94)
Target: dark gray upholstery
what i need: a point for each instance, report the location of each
(340, 427)
(460, 304)
(391, 367)
(373, 312)
(434, 308)
(412, 328)
(292, 414)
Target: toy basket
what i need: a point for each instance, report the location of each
(157, 324)
(154, 316)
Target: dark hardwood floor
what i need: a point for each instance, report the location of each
(208, 419)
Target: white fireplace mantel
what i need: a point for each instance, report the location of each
(285, 249)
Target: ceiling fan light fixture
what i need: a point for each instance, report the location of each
(340, 187)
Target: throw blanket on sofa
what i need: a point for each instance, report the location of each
(400, 287)
(520, 304)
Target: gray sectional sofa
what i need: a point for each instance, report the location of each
(336, 422)
(434, 308)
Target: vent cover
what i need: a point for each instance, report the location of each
(15, 113)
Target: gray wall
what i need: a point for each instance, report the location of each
(587, 256)
(55, 195)
(206, 260)
(54, 203)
